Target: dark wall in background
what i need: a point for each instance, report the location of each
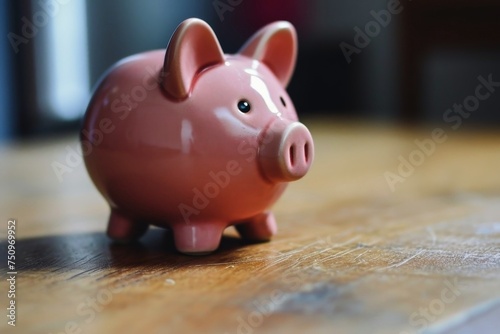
(6, 92)
(118, 29)
(375, 84)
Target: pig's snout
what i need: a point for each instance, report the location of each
(286, 151)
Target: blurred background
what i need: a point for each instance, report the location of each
(376, 60)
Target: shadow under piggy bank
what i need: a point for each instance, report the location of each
(89, 252)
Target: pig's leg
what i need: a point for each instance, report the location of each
(123, 229)
(260, 228)
(198, 238)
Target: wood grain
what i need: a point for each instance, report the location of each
(351, 256)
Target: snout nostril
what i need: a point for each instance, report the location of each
(292, 155)
(306, 152)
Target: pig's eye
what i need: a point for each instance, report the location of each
(283, 101)
(244, 106)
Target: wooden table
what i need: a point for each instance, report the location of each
(351, 255)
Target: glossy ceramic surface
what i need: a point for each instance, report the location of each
(196, 140)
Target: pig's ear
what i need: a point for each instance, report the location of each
(276, 46)
(192, 48)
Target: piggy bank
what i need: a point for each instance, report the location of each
(195, 140)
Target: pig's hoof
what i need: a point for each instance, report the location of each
(260, 228)
(198, 238)
(124, 230)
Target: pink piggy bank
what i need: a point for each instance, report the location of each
(196, 140)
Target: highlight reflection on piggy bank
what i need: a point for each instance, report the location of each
(196, 140)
